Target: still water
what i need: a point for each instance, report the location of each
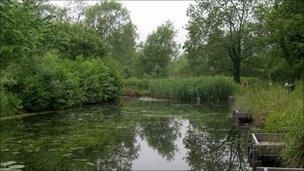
(135, 135)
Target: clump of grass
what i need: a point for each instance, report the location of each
(184, 89)
(278, 110)
(135, 87)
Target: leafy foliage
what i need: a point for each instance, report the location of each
(248, 38)
(106, 17)
(157, 51)
(22, 29)
(32, 78)
(220, 29)
(285, 23)
(112, 22)
(72, 40)
(50, 82)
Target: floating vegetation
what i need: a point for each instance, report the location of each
(116, 139)
(10, 166)
(149, 99)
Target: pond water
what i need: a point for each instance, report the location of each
(135, 135)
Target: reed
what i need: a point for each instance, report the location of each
(279, 111)
(182, 89)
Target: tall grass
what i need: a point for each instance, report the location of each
(183, 89)
(278, 110)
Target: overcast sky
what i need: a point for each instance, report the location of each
(147, 15)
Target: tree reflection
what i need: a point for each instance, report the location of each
(105, 138)
(214, 149)
(118, 155)
(161, 133)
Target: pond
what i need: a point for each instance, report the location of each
(135, 135)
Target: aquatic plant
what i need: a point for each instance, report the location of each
(183, 89)
(10, 166)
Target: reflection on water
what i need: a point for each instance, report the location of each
(135, 136)
(168, 153)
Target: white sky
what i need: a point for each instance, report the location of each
(147, 15)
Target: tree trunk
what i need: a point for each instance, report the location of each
(236, 70)
(236, 62)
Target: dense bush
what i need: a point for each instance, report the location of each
(278, 110)
(50, 82)
(9, 102)
(22, 29)
(191, 88)
(32, 79)
(72, 40)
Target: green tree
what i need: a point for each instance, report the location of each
(76, 10)
(22, 29)
(205, 60)
(158, 50)
(222, 26)
(112, 22)
(285, 23)
(52, 12)
(72, 40)
(106, 17)
(180, 67)
(123, 48)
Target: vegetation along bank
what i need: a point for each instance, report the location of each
(182, 89)
(276, 110)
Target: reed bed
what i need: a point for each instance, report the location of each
(279, 111)
(182, 89)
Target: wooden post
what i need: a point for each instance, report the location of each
(254, 157)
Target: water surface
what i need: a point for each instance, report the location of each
(136, 135)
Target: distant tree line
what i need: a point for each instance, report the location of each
(245, 38)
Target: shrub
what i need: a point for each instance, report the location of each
(50, 82)
(72, 40)
(99, 81)
(9, 101)
(21, 31)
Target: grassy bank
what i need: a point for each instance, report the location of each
(183, 89)
(277, 110)
(50, 83)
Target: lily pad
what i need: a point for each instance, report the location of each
(8, 163)
(16, 152)
(18, 166)
(89, 163)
